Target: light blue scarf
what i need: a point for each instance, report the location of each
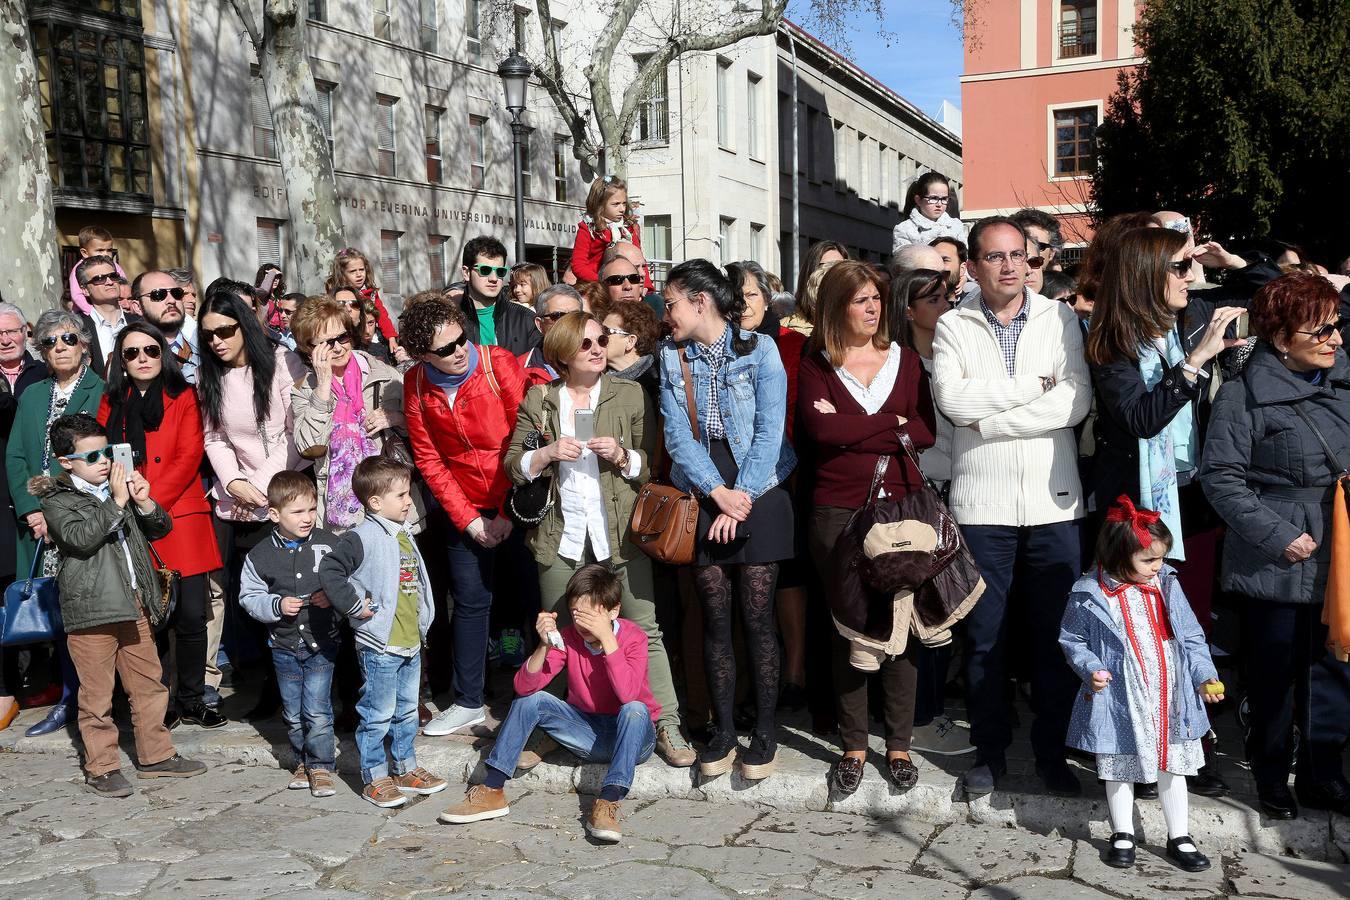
(1167, 452)
(447, 382)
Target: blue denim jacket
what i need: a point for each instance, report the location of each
(752, 391)
(1100, 722)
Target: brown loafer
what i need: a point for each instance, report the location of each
(847, 775)
(904, 774)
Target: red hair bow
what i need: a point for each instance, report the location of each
(1124, 510)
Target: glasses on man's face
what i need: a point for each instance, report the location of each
(224, 332)
(616, 280)
(151, 351)
(1179, 268)
(451, 347)
(1035, 261)
(159, 295)
(90, 457)
(998, 257)
(1323, 334)
(587, 343)
(484, 270)
(934, 198)
(332, 342)
(1041, 246)
(11, 334)
(69, 338)
(556, 316)
(103, 278)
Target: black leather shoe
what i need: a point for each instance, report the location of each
(1277, 803)
(1208, 782)
(1119, 857)
(1147, 791)
(1186, 860)
(200, 714)
(847, 775)
(1059, 779)
(1329, 795)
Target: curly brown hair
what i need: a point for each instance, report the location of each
(636, 317)
(417, 326)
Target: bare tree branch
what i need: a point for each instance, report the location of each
(243, 8)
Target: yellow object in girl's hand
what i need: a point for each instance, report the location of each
(1212, 687)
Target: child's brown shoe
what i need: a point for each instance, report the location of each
(603, 822)
(383, 793)
(480, 802)
(420, 781)
(299, 778)
(321, 783)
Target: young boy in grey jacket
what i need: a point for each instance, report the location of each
(378, 579)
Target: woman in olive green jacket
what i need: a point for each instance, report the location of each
(595, 483)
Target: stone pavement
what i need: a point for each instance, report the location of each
(237, 832)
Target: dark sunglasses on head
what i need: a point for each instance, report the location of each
(332, 342)
(224, 332)
(1323, 334)
(91, 456)
(105, 278)
(616, 280)
(586, 343)
(69, 338)
(159, 294)
(151, 351)
(1179, 268)
(451, 347)
(484, 270)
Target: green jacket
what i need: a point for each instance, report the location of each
(622, 411)
(27, 440)
(94, 581)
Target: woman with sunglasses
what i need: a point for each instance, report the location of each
(595, 482)
(633, 330)
(346, 407)
(72, 387)
(1278, 440)
(150, 406)
(926, 213)
(460, 401)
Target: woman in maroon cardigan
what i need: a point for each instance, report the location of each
(856, 391)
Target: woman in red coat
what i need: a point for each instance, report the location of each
(150, 406)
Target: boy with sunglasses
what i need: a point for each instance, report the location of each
(490, 318)
(101, 518)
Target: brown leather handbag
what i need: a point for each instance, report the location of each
(665, 518)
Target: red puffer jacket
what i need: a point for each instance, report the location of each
(460, 450)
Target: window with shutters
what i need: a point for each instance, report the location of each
(430, 30)
(318, 10)
(656, 245)
(472, 25)
(477, 151)
(653, 112)
(560, 168)
(724, 103)
(432, 125)
(384, 127)
(264, 136)
(269, 242)
(389, 263)
(753, 117)
(436, 260)
(382, 25)
(326, 89)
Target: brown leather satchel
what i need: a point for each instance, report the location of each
(665, 518)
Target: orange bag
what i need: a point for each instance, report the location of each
(1336, 605)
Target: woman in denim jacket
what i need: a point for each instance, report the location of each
(734, 462)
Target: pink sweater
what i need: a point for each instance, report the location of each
(597, 683)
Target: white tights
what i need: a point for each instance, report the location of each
(1171, 794)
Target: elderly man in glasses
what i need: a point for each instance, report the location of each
(100, 282)
(551, 305)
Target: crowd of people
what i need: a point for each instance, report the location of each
(1115, 449)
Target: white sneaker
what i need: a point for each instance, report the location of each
(456, 718)
(942, 737)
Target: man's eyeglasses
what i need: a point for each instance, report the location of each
(998, 257)
(932, 198)
(1041, 247)
(105, 278)
(332, 342)
(451, 347)
(224, 332)
(1035, 261)
(556, 316)
(1179, 268)
(69, 338)
(1323, 334)
(616, 280)
(151, 351)
(159, 295)
(11, 333)
(587, 343)
(91, 456)
(484, 270)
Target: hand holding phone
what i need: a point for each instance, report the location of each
(584, 424)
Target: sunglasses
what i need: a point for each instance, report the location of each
(1035, 262)
(1179, 268)
(69, 338)
(617, 332)
(587, 343)
(1040, 247)
(224, 332)
(555, 316)
(332, 342)
(151, 351)
(485, 270)
(1323, 334)
(92, 456)
(160, 294)
(616, 280)
(451, 347)
(350, 304)
(105, 278)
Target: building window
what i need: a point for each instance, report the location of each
(787, 264)
(318, 10)
(269, 242)
(653, 112)
(755, 146)
(840, 158)
(264, 136)
(521, 34)
(656, 244)
(785, 133)
(436, 260)
(1075, 141)
(326, 89)
(477, 151)
(382, 24)
(558, 28)
(757, 244)
(472, 18)
(384, 127)
(92, 92)
(432, 125)
(389, 263)
(724, 233)
(810, 144)
(857, 165)
(1077, 28)
(560, 168)
(525, 162)
(430, 30)
(723, 103)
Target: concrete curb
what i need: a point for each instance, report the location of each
(800, 784)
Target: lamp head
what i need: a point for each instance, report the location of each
(515, 72)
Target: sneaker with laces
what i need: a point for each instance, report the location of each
(420, 781)
(321, 783)
(173, 767)
(109, 784)
(673, 748)
(603, 821)
(941, 737)
(480, 802)
(512, 649)
(299, 778)
(456, 718)
(383, 793)
(760, 759)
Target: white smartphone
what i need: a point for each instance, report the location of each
(121, 453)
(584, 424)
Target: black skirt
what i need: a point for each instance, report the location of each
(766, 537)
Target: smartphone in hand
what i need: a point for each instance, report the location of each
(584, 424)
(122, 455)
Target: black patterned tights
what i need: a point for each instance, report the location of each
(755, 585)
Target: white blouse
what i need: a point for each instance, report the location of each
(871, 397)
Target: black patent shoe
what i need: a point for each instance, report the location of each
(1147, 791)
(1186, 860)
(1208, 782)
(904, 774)
(1278, 803)
(202, 715)
(847, 775)
(1119, 857)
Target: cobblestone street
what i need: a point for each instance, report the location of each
(237, 832)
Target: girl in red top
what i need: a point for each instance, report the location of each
(609, 220)
(351, 269)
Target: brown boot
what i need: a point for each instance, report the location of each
(603, 822)
(479, 803)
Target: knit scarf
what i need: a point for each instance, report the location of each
(1168, 451)
(448, 382)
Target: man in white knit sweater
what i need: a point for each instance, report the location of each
(1008, 370)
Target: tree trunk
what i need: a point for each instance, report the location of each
(27, 219)
(315, 217)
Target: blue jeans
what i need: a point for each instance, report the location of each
(305, 679)
(625, 740)
(388, 708)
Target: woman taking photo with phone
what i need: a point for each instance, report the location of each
(150, 406)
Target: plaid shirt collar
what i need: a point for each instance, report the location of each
(1007, 335)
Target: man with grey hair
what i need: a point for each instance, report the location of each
(552, 304)
(916, 256)
(632, 253)
(187, 280)
(98, 278)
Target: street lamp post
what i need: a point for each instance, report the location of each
(515, 73)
